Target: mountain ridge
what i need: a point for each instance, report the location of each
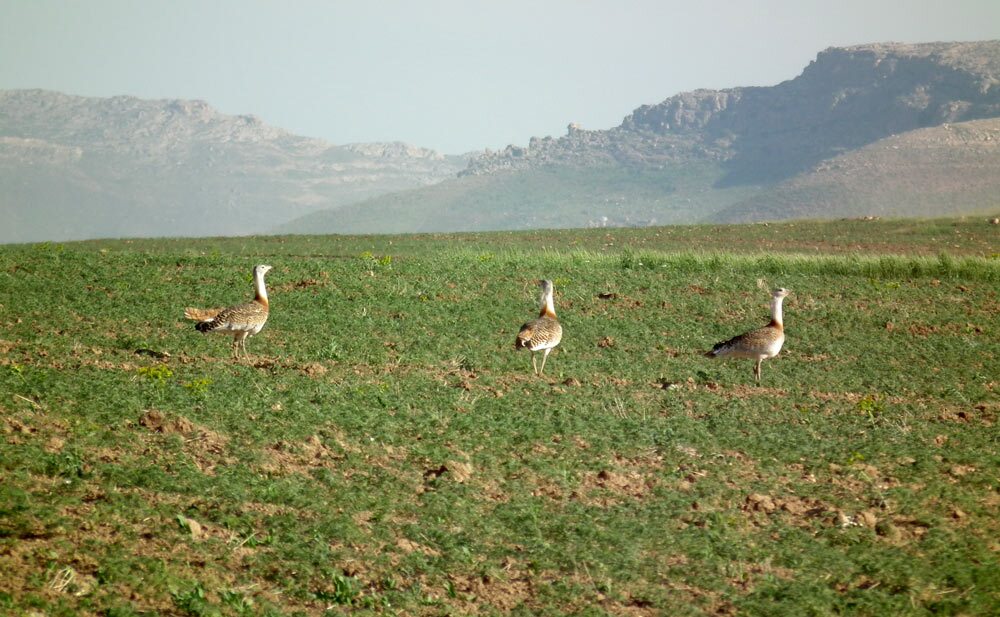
(748, 144)
(84, 167)
(842, 138)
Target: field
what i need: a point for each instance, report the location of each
(386, 451)
(554, 196)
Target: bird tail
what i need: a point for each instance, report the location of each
(523, 338)
(197, 314)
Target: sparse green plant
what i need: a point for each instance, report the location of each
(192, 601)
(333, 351)
(374, 263)
(198, 387)
(872, 406)
(68, 464)
(17, 369)
(239, 602)
(343, 590)
(158, 373)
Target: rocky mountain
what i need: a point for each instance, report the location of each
(882, 129)
(845, 99)
(75, 167)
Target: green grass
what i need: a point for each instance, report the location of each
(387, 452)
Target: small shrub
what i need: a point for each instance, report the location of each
(344, 590)
(198, 387)
(192, 601)
(159, 373)
(871, 405)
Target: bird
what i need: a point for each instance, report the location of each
(242, 320)
(759, 344)
(544, 332)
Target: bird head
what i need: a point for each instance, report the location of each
(780, 292)
(262, 269)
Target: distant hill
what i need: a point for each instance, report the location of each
(936, 171)
(881, 129)
(74, 167)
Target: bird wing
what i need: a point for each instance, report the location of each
(749, 342)
(539, 333)
(197, 314)
(249, 314)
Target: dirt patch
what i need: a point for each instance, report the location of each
(622, 479)
(503, 591)
(206, 447)
(409, 546)
(982, 413)
(799, 511)
(285, 458)
(314, 369)
(606, 487)
(299, 285)
(749, 391)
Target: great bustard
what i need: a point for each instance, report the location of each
(544, 332)
(759, 344)
(243, 320)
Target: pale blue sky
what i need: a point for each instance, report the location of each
(451, 75)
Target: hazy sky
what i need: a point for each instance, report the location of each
(450, 75)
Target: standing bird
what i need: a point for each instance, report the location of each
(543, 333)
(759, 344)
(243, 320)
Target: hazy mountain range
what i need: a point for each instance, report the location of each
(883, 129)
(74, 167)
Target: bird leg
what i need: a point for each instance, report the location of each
(544, 356)
(534, 365)
(239, 343)
(756, 371)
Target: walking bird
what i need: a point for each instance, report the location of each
(543, 333)
(759, 344)
(242, 320)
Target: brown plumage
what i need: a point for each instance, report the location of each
(197, 314)
(544, 332)
(759, 344)
(242, 320)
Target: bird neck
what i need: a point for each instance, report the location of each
(548, 308)
(776, 316)
(258, 284)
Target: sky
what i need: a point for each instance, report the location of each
(453, 75)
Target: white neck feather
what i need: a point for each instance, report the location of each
(776, 310)
(258, 283)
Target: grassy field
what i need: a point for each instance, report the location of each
(547, 197)
(386, 451)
